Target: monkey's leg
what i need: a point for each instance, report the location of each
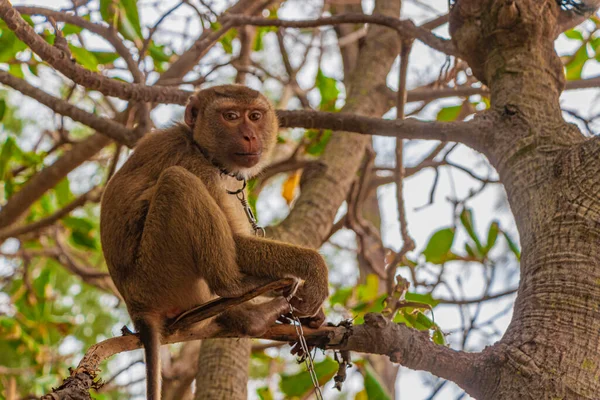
(275, 260)
(187, 241)
(253, 319)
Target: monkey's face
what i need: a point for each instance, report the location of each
(237, 127)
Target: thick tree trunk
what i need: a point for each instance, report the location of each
(551, 349)
(223, 369)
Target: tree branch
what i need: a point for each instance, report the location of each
(108, 127)
(187, 60)
(91, 80)
(409, 347)
(92, 195)
(406, 29)
(470, 133)
(107, 33)
(48, 177)
(569, 18)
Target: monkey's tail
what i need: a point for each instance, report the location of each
(150, 334)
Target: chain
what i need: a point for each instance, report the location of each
(239, 194)
(307, 357)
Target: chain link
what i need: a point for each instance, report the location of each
(307, 357)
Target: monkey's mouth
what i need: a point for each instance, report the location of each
(247, 159)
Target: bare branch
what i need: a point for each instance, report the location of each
(108, 127)
(406, 29)
(190, 58)
(92, 195)
(47, 178)
(107, 33)
(408, 243)
(569, 18)
(470, 133)
(480, 299)
(91, 80)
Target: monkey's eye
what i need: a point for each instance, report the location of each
(230, 115)
(255, 116)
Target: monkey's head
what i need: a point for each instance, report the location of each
(235, 126)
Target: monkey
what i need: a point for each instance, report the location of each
(174, 238)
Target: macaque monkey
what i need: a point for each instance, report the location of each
(174, 238)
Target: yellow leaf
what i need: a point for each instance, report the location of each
(288, 190)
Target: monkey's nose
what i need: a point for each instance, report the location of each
(249, 136)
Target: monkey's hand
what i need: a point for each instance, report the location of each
(314, 291)
(312, 322)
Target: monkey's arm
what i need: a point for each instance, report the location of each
(275, 260)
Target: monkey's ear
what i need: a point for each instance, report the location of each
(191, 111)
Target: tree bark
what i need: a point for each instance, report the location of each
(551, 172)
(223, 369)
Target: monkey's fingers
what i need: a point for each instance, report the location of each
(315, 321)
(289, 291)
(312, 322)
(285, 319)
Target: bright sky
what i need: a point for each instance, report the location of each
(489, 205)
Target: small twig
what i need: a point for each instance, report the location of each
(92, 195)
(408, 243)
(152, 30)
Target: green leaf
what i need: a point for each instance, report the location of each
(318, 141)
(466, 218)
(470, 251)
(513, 246)
(298, 385)
(264, 393)
(10, 46)
(259, 38)
(16, 70)
(158, 53)
(370, 290)
(227, 39)
(2, 110)
(439, 245)
(329, 91)
(83, 240)
(84, 57)
(82, 225)
(595, 43)
(375, 390)
(63, 193)
(575, 66)
(5, 155)
(414, 319)
(124, 15)
(105, 57)
(69, 29)
(341, 296)
(422, 298)
(132, 17)
(492, 236)
(449, 113)
(574, 34)
(439, 338)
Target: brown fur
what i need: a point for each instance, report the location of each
(172, 236)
